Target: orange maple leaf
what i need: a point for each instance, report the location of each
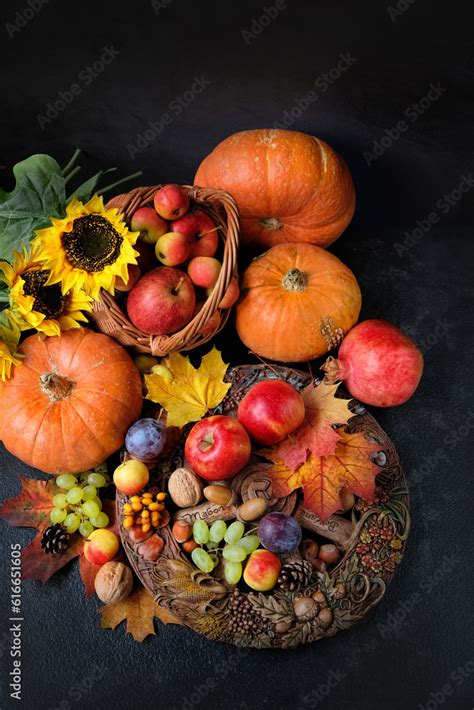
(322, 478)
(316, 435)
(138, 610)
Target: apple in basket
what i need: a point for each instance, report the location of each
(162, 301)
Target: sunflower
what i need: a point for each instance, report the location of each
(9, 339)
(37, 305)
(87, 249)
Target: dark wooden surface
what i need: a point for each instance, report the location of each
(415, 649)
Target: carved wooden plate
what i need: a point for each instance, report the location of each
(307, 605)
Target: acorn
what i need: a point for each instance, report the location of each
(305, 608)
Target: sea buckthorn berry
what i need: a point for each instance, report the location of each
(154, 506)
(155, 516)
(128, 521)
(127, 508)
(146, 527)
(135, 499)
(160, 506)
(137, 507)
(145, 514)
(160, 496)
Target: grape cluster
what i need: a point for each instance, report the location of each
(80, 507)
(238, 546)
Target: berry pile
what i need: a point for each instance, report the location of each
(145, 511)
(79, 507)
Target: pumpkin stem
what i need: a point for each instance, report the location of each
(271, 223)
(295, 280)
(56, 386)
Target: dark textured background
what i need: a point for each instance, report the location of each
(418, 639)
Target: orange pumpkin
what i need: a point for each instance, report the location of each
(297, 302)
(289, 186)
(69, 404)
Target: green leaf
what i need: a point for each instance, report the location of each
(85, 191)
(39, 194)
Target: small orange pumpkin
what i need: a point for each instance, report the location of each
(289, 186)
(297, 302)
(69, 404)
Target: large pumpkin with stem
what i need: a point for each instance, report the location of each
(297, 303)
(68, 406)
(289, 186)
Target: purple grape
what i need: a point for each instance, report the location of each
(279, 532)
(145, 440)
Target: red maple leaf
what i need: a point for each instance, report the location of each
(317, 435)
(322, 478)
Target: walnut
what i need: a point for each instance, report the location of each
(185, 488)
(113, 582)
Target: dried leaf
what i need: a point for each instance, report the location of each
(193, 391)
(138, 610)
(88, 573)
(31, 508)
(316, 435)
(323, 478)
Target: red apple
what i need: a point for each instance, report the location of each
(200, 231)
(171, 202)
(150, 225)
(131, 477)
(204, 271)
(133, 276)
(211, 323)
(270, 411)
(172, 249)
(262, 570)
(162, 301)
(230, 296)
(101, 546)
(217, 447)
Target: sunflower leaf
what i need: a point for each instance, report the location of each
(39, 194)
(86, 189)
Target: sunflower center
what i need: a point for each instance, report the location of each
(48, 299)
(92, 244)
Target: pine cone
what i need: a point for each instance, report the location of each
(55, 539)
(295, 574)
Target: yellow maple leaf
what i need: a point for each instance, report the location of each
(192, 391)
(138, 610)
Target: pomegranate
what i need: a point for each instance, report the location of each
(379, 364)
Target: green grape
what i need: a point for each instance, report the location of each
(85, 475)
(201, 532)
(234, 532)
(234, 553)
(89, 492)
(100, 521)
(217, 530)
(66, 481)
(202, 559)
(57, 515)
(86, 528)
(232, 571)
(249, 543)
(98, 501)
(96, 479)
(90, 508)
(74, 495)
(212, 545)
(72, 522)
(59, 500)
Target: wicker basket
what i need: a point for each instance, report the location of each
(111, 320)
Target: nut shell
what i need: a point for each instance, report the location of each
(184, 487)
(305, 608)
(220, 495)
(113, 582)
(252, 509)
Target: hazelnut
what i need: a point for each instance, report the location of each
(185, 488)
(320, 598)
(305, 608)
(325, 618)
(309, 549)
(329, 554)
(319, 565)
(113, 582)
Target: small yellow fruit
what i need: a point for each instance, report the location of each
(163, 371)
